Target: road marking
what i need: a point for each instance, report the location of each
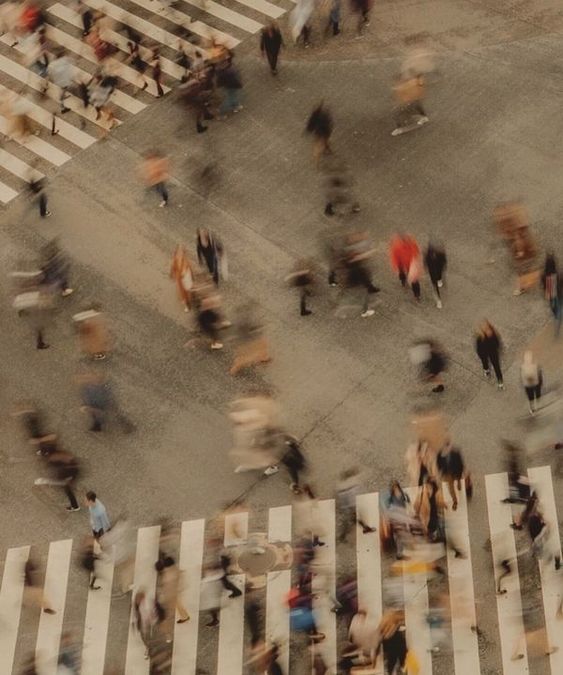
(18, 168)
(7, 193)
(54, 589)
(264, 7)
(324, 583)
(148, 539)
(509, 605)
(184, 656)
(279, 585)
(460, 577)
(38, 146)
(11, 595)
(234, 18)
(231, 627)
(542, 482)
(97, 620)
(197, 27)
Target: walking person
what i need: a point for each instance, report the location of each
(93, 333)
(552, 288)
(210, 250)
(37, 189)
(429, 356)
(146, 617)
(33, 594)
(88, 561)
(61, 71)
(435, 262)
(362, 9)
(392, 641)
(99, 519)
(228, 78)
(155, 170)
(356, 254)
(404, 254)
(271, 42)
(210, 320)
(348, 489)
(451, 466)
(121, 539)
(320, 126)
(409, 112)
(170, 587)
(334, 17)
(488, 346)
(181, 271)
(303, 279)
(56, 268)
(137, 63)
(156, 71)
(532, 380)
(64, 469)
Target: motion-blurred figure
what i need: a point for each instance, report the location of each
(93, 334)
(320, 126)
(181, 271)
(253, 345)
(435, 262)
(228, 78)
(33, 595)
(409, 112)
(155, 172)
(88, 559)
(553, 289)
(404, 254)
(356, 254)
(210, 319)
(393, 640)
(211, 252)
(432, 361)
(257, 436)
(419, 59)
(64, 469)
(348, 489)
(488, 346)
(271, 42)
(532, 380)
(303, 279)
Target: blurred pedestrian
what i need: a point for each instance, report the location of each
(210, 319)
(552, 288)
(320, 126)
(347, 491)
(211, 592)
(356, 254)
(61, 71)
(299, 21)
(96, 399)
(181, 271)
(89, 557)
(37, 189)
(228, 78)
(392, 640)
(146, 617)
(155, 170)
(64, 468)
(92, 332)
(451, 466)
(334, 17)
(404, 253)
(303, 279)
(55, 267)
(211, 252)
(156, 71)
(362, 9)
(170, 587)
(99, 520)
(432, 361)
(429, 506)
(532, 380)
(294, 461)
(33, 594)
(121, 539)
(271, 42)
(435, 262)
(252, 345)
(409, 112)
(69, 655)
(488, 346)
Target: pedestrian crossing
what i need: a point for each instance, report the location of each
(168, 26)
(232, 647)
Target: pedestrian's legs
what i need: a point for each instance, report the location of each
(303, 302)
(306, 34)
(214, 617)
(229, 586)
(62, 100)
(451, 489)
(40, 343)
(159, 89)
(97, 419)
(537, 392)
(495, 362)
(92, 583)
(506, 570)
(417, 109)
(182, 612)
(43, 205)
(403, 277)
(162, 191)
(416, 289)
(272, 61)
(71, 496)
(485, 364)
(332, 278)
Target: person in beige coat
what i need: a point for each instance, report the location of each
(93, 334)
(170, 587)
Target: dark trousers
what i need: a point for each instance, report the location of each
(494, 361)
(435, 286)
(42, 205)
(159, 89)
(415, 284)
(306, 34)
(304, 293)
(272, 60)
(39, 342)
(162, 191)
(533, 392)
(71, 497)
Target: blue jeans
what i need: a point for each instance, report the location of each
(230, 102)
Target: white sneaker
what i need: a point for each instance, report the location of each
(217, 345)
(67, 291)
(368, 312)
(439, 283)
(422, 120)
(500, 385)
(41, 481)
(439, 304)
(162, 203)
(396, 131)
(271, 470)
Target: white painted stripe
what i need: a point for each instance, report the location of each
(181, 19)
(7, 193)
(509, 605)
(123, 70)
(168, 67)
(51, 625)
(234, 18)
(11, 595)
(184, 656)
(279, 584)
(144, 577)
(415, 590)
(38, 146)
(324, 583)
(231, 627)
(16, 167)
(460, 576)
(550, 579)
(264, 7)
(97, 620)
(43, 117)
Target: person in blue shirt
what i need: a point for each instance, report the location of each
(99, 520)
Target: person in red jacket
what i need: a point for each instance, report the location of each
(406, 261)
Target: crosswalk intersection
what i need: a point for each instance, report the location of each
(159, 23)
(231, 651)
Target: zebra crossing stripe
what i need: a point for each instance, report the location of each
(16, 167)
(231, 626)
(168, 67)
(225, 14)
(54, 589)
(460, 576)
(7, 193)
(148, 539)
(197, 27)
(279, 584)
(11, 594)
(415, 590)
(509, 605)
(96, 623)
(550, 579)
(38, 146)
(324, 583)
(184, 656)
(264, 7)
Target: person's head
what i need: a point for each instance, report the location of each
(90, 497)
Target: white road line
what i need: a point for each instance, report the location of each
(124, 71)
(43, 117)
(184, 656)
(7, 193)
(509, 605)
(181, 19)
(231, 627)
(97, 620)
(551, 581)
(264, 7)
(168, 67)
(51, 625)
(415, 589)
(36, 82)
(234, 18)
(324, 584)
(38, 146)
(144, 577)
(16, 167)
(11, 595)
(460, 576)
(279, 584)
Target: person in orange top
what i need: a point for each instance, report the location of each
(182, 272)
(155, 171)
(404, 254)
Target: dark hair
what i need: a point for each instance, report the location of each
(91, 496)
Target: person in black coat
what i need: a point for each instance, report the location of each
(271, 42)
(435, 262)
(320, 126)
(488, 346)
(452, 468)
